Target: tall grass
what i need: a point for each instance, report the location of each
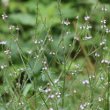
(66, 71)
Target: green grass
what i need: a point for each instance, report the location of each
(55, 62)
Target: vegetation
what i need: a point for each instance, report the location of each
(54, 55)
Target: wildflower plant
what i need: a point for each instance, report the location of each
(59, 66)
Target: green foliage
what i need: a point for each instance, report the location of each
(50, 59)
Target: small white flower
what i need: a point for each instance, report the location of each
(73, 73)
(51, 96)
(37, 56)
(35, 41)
(100, 99)
(82, 107)
(44, 68)
(97, 54)
(91, 77)
(82, 27)
(29, 52)
(40, 89)
(105, 48)
(41, 41)
(17, 28)
(47, 90)
(50, 38)
(67, 32)
(104, 9)
(85, 82)
(52, 53)
(3, 42)
(87, 37)
(21, 103)
(105, 61)
(11, 27)
(58, 94)
(88, 27)
(107, 30)
(44, 62)
(102, 78)
(103, 21)
(87, 18)
(76, 38)
(7, 52)
(77, 17)
(3, 66)
(103, 42)
(51, 109)
(21, 69)
(4, 16)
(103, 26)
(74, 91)
(70, 45)
(66, 22)
(56, 81)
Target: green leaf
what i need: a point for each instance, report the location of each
(25, 19)
(27, 88)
